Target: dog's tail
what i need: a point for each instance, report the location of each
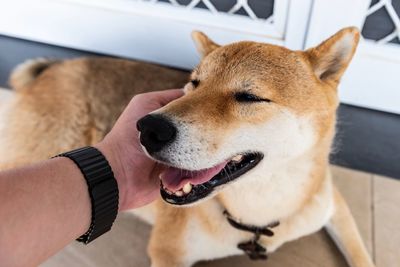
(25, 73)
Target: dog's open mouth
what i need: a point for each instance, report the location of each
(180, 187)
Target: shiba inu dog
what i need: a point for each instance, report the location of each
(245, 149)
(247, 154)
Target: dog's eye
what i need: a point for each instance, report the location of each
(247, 97)
(195, 82)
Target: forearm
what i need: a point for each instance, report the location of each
(43, 207)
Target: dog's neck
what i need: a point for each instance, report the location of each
(270, 195)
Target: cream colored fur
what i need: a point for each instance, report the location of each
(26, 73)
(7, 98)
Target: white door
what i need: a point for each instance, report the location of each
(155, 30)
(373, 79)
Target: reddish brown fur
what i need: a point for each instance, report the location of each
(76, 102)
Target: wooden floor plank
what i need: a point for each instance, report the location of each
(125, 245)
(356, 188)
(386, 221)
(315, 250)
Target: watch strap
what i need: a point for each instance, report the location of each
(102, 186)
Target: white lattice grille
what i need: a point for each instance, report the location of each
(382, 23)
(253, 9)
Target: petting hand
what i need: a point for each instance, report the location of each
(135, 172)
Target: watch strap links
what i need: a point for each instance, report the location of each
(102, 186)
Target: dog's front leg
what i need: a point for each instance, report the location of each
(344, 232)
(165, 255)
(167, 247)
(163, 262)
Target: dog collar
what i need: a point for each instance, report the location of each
(252, 248)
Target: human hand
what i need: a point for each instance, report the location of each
(136, 173)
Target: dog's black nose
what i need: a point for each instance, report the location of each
(156, 132)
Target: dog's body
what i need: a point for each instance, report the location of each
(288, 117)
(58, 106)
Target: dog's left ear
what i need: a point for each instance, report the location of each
(331, 58)
(203, 44)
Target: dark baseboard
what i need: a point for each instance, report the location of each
(366, 140)
(14, 51)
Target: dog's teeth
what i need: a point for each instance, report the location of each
(187, 188)
(179, 193)
(237, 158)
(169, 192)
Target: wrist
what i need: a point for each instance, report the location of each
(102, 187)
(112, 156)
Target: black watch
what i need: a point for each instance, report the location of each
(103, 189)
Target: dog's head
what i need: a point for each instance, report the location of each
(248, 107)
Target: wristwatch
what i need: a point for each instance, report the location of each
(102, 186)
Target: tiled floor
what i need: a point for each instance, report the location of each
(374, 201)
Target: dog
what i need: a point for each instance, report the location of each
(246, 148)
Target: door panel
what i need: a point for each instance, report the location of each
(373, 78)
(155, 30)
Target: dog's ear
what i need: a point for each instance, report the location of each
(203, 44)
(330, 59)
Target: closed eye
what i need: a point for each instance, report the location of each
(248, 97)
(195, 82)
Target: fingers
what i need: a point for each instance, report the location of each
(145, 103)
(164, 97)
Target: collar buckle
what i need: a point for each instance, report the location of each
(253, 249)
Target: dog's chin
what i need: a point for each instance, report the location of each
(183, 187)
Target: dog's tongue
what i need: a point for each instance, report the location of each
(174, 179)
